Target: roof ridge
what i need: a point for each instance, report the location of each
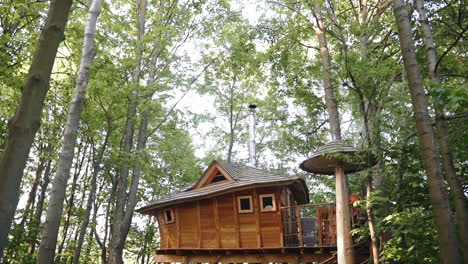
(248, 166)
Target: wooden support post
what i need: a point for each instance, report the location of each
(179, 233)
(299, 225)
(256, 205)
(216, 218)
(199, 225)
(343, 223)
(167, 231)
(319, 225)
(236, 220)
(280, 215)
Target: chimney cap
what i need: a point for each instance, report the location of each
(252, 106)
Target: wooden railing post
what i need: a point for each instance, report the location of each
(319, 225)
(299, 224)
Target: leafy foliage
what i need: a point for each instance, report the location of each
(214, 52)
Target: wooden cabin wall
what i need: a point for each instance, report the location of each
(208, 224)
(163, 231)
(187, 220)
(216, 223)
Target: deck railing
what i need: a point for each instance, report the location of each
(309, 225)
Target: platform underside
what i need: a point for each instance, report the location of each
(322, 254)
(264, 255)
(243, 258)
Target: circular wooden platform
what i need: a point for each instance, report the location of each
(336, 154)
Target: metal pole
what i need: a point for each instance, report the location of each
(252, 135)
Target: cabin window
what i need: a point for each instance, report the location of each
(267, 202)
(245, 204)
(169, 215)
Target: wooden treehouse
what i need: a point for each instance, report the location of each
(235, 213)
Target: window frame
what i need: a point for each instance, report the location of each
(171, 210)
(262, 209)
(239, 208)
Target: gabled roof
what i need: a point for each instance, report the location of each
(244, 177)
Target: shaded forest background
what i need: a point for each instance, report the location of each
(168, 89)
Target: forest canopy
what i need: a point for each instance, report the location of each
(107, 105)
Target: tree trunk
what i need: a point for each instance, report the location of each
(84, 226)
(344, 239)
(40, 207)
(116, 253)
(33, 193)
(91, 198)
(27, 119)
(371, 223)
(117, 233)
(447, 237)
(54, 211)
(461, 205)
(71, 199)
(132, 194)
(369, 115)
(330, 99)
(368, 182)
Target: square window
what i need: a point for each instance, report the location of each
(169, 216)
(267, 202)
(245, 204)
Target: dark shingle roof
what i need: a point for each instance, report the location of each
(243, 175)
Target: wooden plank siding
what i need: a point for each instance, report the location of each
(208, 225)
(162, 230)
(215, 223)
(227, 221)
(188, 219)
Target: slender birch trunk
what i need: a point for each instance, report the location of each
(71, 200)
(446, 234)
(54, 211)
(27, 119)
(459, 198)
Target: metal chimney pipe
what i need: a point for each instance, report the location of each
(252, 135)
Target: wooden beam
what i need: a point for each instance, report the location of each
(343, 222)
(236, 221)
(243, 258)
(280, 215)
(199, 225)
(299, 224)
(167, 231)
(256, 205)
(319, 225)
(216, 218)
(179, 233)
